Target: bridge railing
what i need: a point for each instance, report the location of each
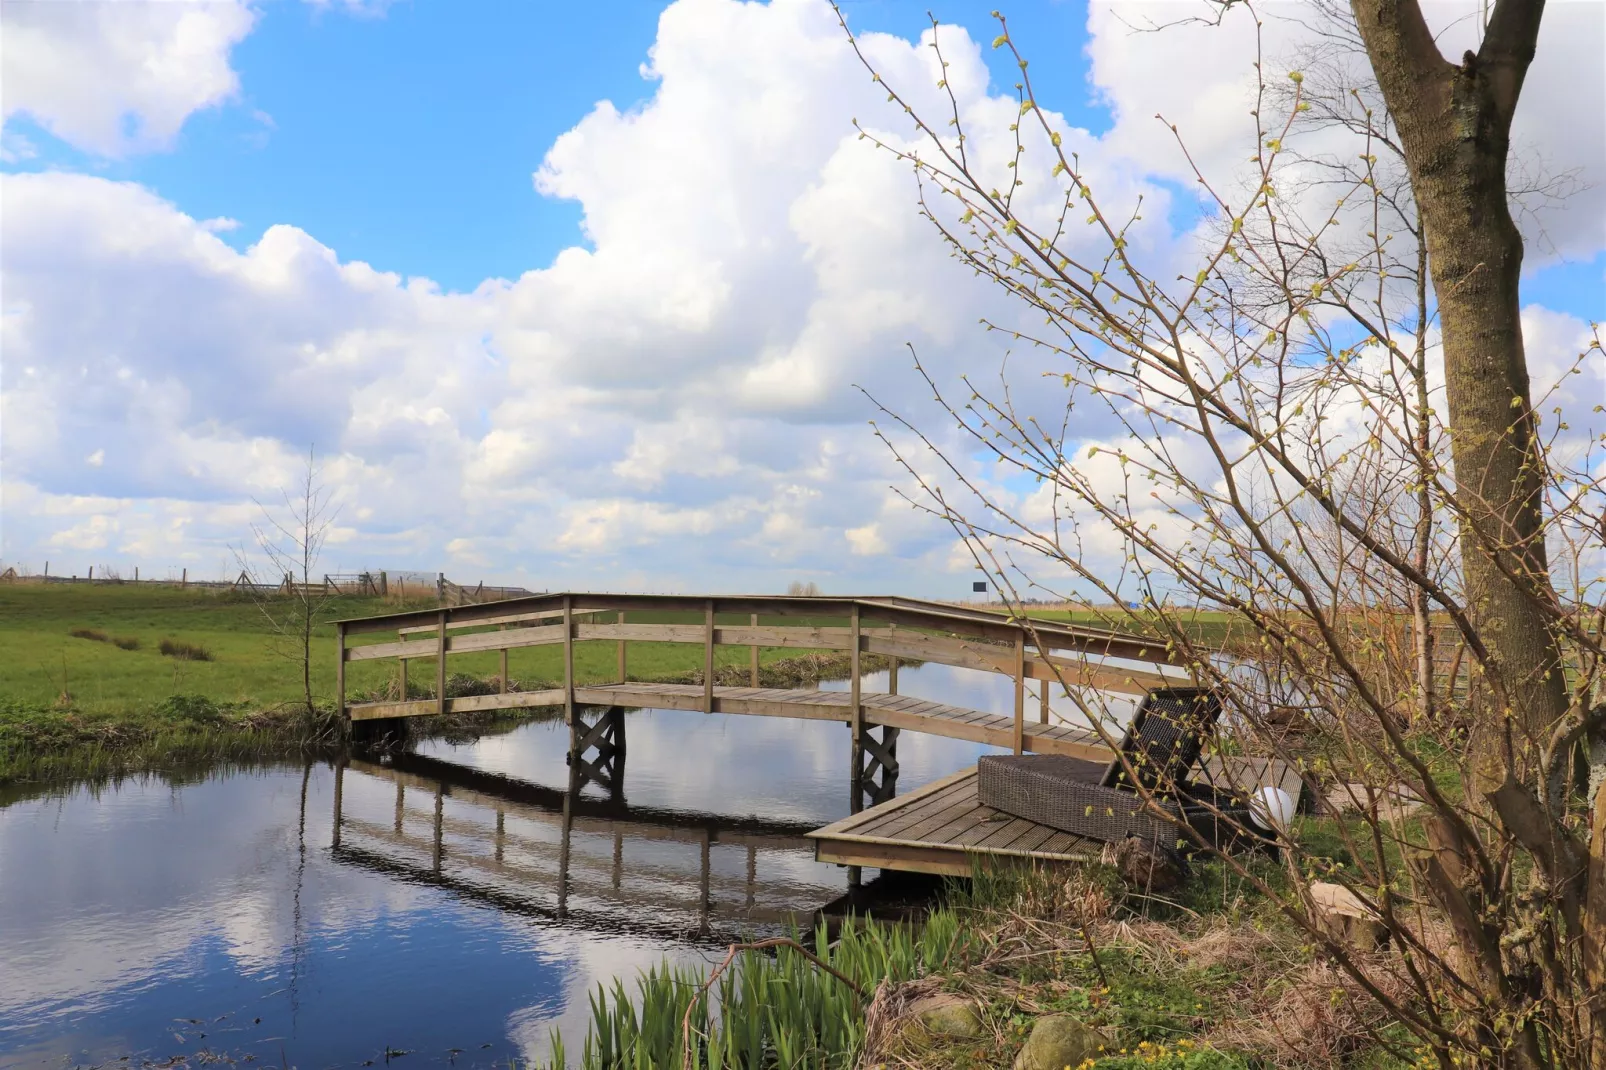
(899, 629)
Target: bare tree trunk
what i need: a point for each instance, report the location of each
(1454, 122)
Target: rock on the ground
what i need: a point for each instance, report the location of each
(1058, 1041)
(946, 1015)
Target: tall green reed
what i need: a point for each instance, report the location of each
(770, 1010)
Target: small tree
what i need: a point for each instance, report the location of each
(292, 541)
(1282, 449)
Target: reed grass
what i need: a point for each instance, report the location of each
(771, 1009)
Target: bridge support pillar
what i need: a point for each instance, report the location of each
(597, 751)
(875, 764)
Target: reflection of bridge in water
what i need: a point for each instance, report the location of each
(563, 856)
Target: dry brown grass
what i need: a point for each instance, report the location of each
(177, 648)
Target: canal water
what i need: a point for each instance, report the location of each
(460, 906)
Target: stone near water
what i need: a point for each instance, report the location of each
(1058, 1041)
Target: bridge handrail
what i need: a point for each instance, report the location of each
(900, 629)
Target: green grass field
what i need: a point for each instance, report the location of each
(111, 687)
(40, 658)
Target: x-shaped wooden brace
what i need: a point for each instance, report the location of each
(878, 775)
(605, 736)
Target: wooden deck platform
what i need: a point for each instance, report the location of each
(943, 828)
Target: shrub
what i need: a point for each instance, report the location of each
(197, 708)
(174, 648)
(90, 633)
(125, 642)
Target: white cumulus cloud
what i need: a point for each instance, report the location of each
(674, 404)
(118, 78)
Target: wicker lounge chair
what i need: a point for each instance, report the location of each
(1100, 802)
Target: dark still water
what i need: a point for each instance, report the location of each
(464, 906)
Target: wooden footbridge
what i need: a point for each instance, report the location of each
(1041, 656)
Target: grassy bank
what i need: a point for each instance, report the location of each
(1214, 981)
(94, 678)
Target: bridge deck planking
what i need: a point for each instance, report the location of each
(942, 828)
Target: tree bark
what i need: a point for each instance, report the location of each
(1454, 122)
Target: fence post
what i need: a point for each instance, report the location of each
(503, 687)
(440, 668)
(708, 657)
(185, 581)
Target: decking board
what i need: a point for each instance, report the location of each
(943, 828)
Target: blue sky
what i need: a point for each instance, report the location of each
(407, 138)
(662, 394)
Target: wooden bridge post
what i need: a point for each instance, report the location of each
(856, 701)
(568, 660)
(623, 674)
(1042, 713)
(892, 662)
(856, 707)
(401, 660)
(501, 686)
(752, 655)
(1020, 692)
(440, 668)
(340, 670)
(708, 657)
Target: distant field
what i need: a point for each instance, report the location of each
(40, 657)
(1210, 627)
